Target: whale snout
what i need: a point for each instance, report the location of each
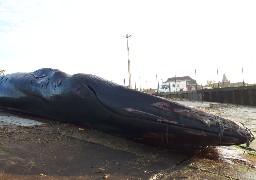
(180, 125)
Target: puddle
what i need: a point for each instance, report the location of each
(233, 155)
(212, 163)
(12, 120)
(194, 104)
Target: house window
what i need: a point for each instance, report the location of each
(173, 85)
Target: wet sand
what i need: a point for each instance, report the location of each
(32, 148)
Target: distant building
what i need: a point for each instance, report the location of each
(224, 83)
(176, 84)
(149, 91)
(225, 79)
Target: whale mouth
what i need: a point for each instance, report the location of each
(178, 118)
(249, 135)
(225, 131)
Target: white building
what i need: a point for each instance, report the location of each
(176, 84)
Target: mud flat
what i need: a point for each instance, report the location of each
(32, 148)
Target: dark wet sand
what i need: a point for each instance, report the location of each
(65, 151)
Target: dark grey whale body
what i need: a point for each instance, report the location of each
(93, 102)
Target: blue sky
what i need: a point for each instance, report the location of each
(168, 38)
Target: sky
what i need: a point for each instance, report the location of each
(168, 38)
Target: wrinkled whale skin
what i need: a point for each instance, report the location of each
(93, 102)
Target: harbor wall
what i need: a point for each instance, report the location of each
(245, 95)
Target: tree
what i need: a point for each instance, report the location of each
(210, 84)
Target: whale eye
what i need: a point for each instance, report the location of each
(91, 89)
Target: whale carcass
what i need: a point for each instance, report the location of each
(93, 102)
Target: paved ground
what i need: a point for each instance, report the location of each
(34, 148)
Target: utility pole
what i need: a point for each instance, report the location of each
(157, 84)
(195, 79)
(243, 75)
(129, 70)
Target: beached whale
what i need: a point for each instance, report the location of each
(93, 102)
